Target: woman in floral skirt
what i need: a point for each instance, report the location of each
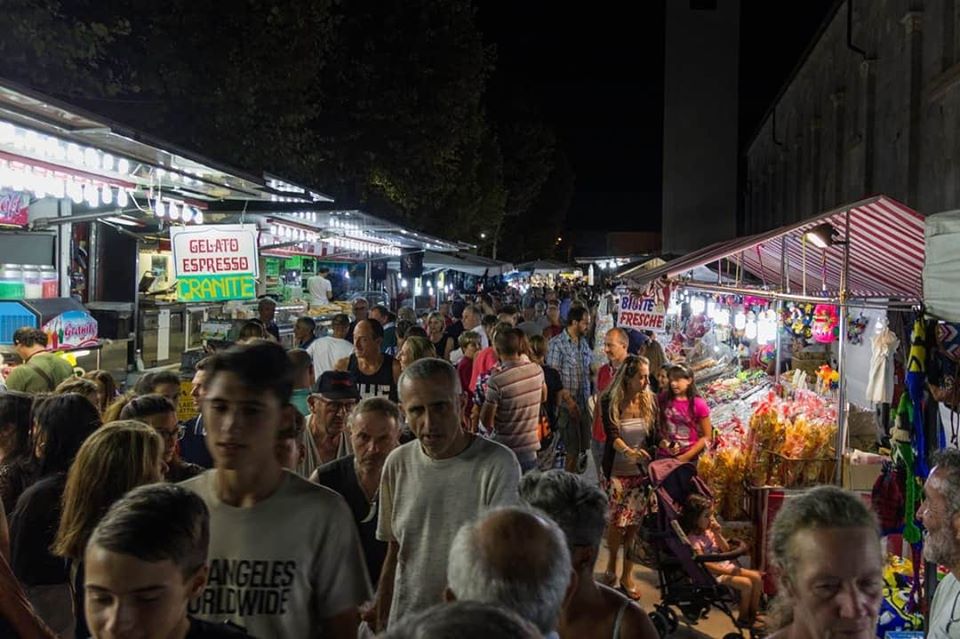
(629, 412)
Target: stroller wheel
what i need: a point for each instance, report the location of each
(661, 623)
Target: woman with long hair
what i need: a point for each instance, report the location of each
(63, 423)
(629, 413)
(437, 334)
(159, 413)
(116, 458)
(106, 388)
(16, 420)
(80, 386)
(414, 348)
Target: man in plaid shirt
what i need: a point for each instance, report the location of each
(570, 354)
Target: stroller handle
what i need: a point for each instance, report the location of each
(738, 551)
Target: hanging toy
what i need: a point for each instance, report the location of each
(766, 354)
(856, 327)
(916, 374)
(829, 379)
(824, 323)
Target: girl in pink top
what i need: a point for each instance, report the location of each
(685, 417)
(703, 533)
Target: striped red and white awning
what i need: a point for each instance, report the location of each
(886, 254)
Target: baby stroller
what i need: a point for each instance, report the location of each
(685, 583)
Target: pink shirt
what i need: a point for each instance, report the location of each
(483, 363)
(682, 426)
(706, 544)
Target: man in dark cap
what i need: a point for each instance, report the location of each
(333, 398)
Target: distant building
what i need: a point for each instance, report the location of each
(700, 138)
(873, 108)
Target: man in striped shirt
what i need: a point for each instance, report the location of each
(511, 408)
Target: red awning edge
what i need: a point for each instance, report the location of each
(886, 255)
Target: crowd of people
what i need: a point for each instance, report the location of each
(409, 476)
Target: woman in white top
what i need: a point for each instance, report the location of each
(629, 413)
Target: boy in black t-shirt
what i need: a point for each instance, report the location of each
(146, 559)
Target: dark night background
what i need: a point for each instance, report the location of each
(502, 117)
(598, 78)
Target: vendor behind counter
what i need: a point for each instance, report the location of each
(41, 371)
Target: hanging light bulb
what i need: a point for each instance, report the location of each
(750, 330)
(90, 195)
(197, 216)
(174, 211)
(123, 166)
(187, 213)
(106, 195)
(75, 191)
(158, 208)
(122, 198)
(698, 305)
(106, 162)
(723, 317)
(90, 157)
(740, 321)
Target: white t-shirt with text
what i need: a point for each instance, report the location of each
(280, 567)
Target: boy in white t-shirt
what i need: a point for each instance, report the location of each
(285, 558)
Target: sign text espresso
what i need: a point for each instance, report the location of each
(215, 263)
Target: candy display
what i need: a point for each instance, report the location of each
(792, 441)
(732, 388)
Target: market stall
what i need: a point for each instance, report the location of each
(789, 331)
(442, 274)
(546, 272)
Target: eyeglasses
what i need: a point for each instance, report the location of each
(337, 405)
(171, 435)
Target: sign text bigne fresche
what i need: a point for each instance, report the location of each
(641, 313)
(215, 263)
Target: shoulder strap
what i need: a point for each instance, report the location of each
(619, 619)
(43, 374)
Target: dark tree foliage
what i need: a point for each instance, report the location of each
(380, 104)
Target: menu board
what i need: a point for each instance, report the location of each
(215, 263)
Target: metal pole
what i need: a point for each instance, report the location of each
(784, 286)
(841, 352)
(779, 330)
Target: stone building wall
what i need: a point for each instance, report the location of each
(851, 124)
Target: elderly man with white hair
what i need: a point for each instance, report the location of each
(940, 514)
(580, 509)
(516, 558)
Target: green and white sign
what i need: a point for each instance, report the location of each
(215, 263)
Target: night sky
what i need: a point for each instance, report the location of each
(597, 73)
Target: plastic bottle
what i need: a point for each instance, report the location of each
(51, 282)
(11, 282)
(32, 282)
